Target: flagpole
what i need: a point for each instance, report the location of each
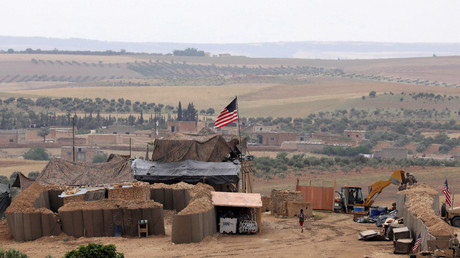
(238, 114)
(243, 176)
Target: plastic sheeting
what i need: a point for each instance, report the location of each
(189, 171)
(5, 198)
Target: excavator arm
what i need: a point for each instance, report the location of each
(397, 178)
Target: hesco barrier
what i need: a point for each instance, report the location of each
(417, 228)
(172, 199)
(415, 225)
(101, 222)
(30, 225)
(193, 227)
(36, 217)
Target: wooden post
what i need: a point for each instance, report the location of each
(333, 192)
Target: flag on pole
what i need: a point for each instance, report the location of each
(227, 116)
(445, 190)
(417, 243)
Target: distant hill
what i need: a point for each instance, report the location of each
(309, 50)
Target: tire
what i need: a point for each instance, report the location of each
(455, 221)
(443, 210)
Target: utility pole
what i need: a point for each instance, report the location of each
(73, 139)
(130, 146)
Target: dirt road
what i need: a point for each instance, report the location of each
(329, 235)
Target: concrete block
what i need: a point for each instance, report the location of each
(403, 246)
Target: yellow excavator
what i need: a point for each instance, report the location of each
(352, 196)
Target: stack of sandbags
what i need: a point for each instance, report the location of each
(130, 193)
(266, 203)
(279, 199)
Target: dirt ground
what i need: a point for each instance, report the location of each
(328, 235)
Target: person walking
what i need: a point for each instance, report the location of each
(301, 220)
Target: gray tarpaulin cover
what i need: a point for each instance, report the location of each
(189, 171)
(5, 199)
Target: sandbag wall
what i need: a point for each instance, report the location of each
(171, 198)
(98, 222)
(194, 227)
(30, 216)
(279, 199)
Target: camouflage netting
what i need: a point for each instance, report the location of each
(180, 147)
(63, 172)
(22, 181)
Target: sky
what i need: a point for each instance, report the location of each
(235, 21)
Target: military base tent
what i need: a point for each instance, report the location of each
(22, 181)
(64, 172)
(5, 198)
(181, 147)
(189, 171)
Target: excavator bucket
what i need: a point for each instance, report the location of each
(397, 178)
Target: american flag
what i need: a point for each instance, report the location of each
(417, 243)
(445, 190)
(227, 116)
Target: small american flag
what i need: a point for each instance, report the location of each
(417, 243)
(445, 190)
(227, 116)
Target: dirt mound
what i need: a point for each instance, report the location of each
(198, 205)
(201, 199)
(441, 228)
(109, 204)
(419, 188)
(24, 202)
(201, 190)
(420, 203)
(4, 230)
(180, 185)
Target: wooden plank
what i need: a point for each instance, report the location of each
(250, 200)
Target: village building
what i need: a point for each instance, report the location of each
(391, 153)
(83, 153)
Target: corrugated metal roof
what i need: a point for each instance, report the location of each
(252, 200)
